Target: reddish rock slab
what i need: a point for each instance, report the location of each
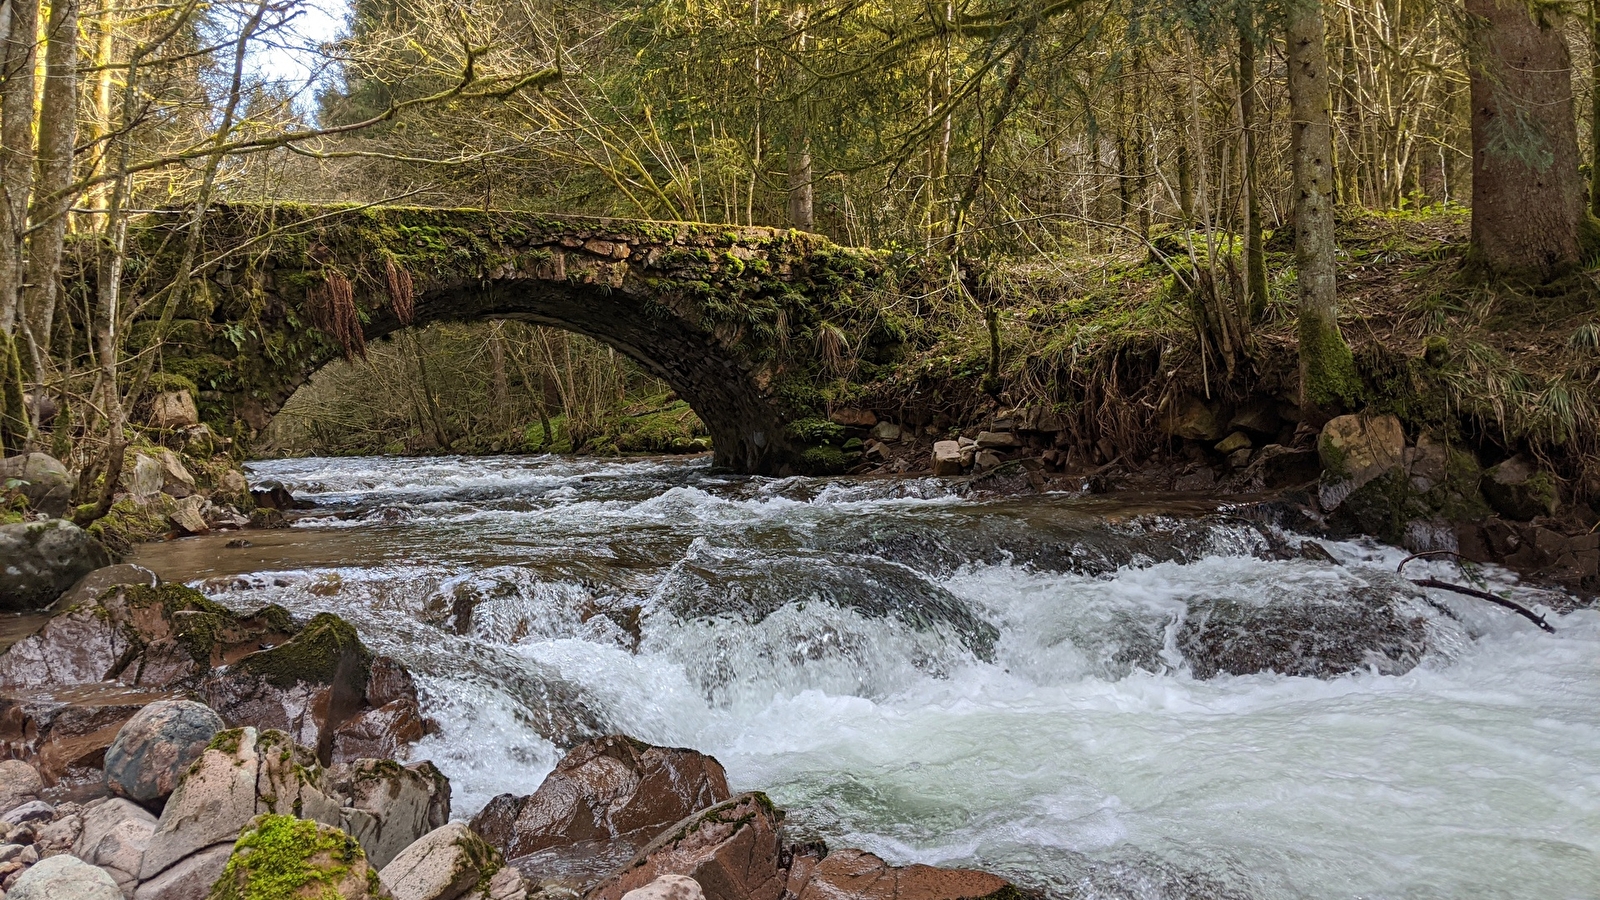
(64, 732)
(609, 789)
(732, 849)
(858, 875)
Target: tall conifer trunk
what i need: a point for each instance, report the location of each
(1528, 213)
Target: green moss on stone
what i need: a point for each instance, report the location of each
(285, 858)
(327, 650)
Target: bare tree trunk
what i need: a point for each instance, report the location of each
(802, 196)
(1328, 377)
(1527, 193)
(1594, 104)
(500, 386)
(17, 88)
(1255, 251)
(52, 199)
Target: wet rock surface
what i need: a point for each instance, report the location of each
(156, 747)
(605, 800)
(42, 560)
(1378, 629)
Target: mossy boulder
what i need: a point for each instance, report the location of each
(42, 560)
(1355, 450)
(1517, 489)
(285, 858)
(44, 482)
(312, 687)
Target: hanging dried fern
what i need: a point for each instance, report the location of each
(402, 293)
(333, 310)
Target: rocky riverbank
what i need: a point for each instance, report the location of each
(160, 747)
(1357, 474)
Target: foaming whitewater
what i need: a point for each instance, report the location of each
(1088, 696)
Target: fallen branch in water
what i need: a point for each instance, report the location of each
(1496, 599)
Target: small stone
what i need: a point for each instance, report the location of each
(157, 746)
(668, 887)
(238, 544)
(947, 458)
(64, 878)
(987, 459)
(59, 836)
(888, 432)
(1239, 459)
(1234, 442)
(997, 440)
(189, 517)
(32, 812)
(174, 409)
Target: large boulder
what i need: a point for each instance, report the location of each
(1356, 450)
(282, 856)
(447, 863)
(43, 560)
(175, 478)
(114, 836)
(1193, 419)
(858, 875)
(732, 849)
(307, 686)
(156, 747)
(44, 481)
(64, 878)
(1517, 489)
(165, 636)
(240, 775)
(387, 806)
(606, 800)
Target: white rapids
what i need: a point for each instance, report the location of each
(947, 680)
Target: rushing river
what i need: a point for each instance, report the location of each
(945, 679)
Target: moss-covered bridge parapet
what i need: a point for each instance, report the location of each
(737, 320)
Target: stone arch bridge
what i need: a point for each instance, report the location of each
(732, 318)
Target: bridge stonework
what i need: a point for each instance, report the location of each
(732, 318)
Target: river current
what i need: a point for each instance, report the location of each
(953, 679)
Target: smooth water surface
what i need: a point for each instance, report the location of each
(948, 679)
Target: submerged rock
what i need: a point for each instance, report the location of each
(859, 875)
(42, 560)
(1313, 637)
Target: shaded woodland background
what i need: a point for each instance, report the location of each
(1104, 172)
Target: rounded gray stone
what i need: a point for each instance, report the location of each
(153, 750)
(40, 560)
(64, 878)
